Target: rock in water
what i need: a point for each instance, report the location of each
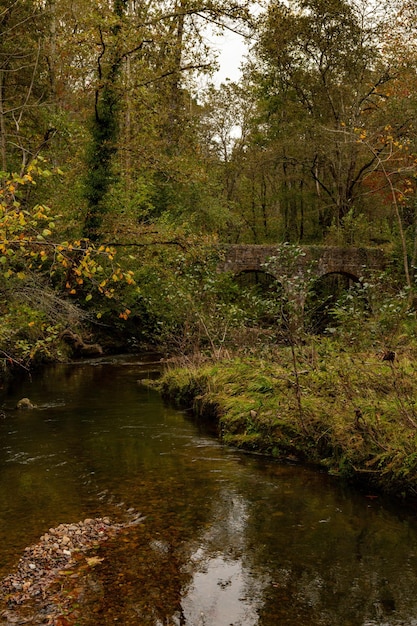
(24, 403)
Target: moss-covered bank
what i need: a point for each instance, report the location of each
(354, 414)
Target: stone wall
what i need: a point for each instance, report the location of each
(353, 262)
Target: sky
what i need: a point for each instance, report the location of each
(232, 50)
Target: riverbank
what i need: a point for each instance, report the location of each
(351, 413)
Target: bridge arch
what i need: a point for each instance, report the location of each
(345, 266)
(256, 278)
(325, 293)
(342, 272)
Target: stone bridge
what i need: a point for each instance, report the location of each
(323, 260)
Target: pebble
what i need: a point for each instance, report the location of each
(41, 563)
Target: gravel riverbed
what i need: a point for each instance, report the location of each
(42, 564)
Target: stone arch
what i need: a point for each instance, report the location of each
(327, 259)
(328, 287)
(349, 262)
(254, 277)
(268, 293)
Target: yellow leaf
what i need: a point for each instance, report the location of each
(92, 561)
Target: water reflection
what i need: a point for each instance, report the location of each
(223, 590)
(228, 539)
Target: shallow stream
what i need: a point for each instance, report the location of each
(228, 539)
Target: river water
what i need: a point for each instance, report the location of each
(228, 539)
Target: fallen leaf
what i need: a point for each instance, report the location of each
(93, 560)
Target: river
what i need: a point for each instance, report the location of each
(228, 539)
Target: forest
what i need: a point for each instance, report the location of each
(124, 168)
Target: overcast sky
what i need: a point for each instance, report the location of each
(232, 49)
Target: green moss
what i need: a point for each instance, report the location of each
(351, 413)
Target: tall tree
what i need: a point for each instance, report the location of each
(105, 123)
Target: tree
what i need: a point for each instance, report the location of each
(322, 75)
(223, 131)
(24, 92)
(105, 122)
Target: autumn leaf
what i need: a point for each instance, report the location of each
(61, 620)
(94, 560)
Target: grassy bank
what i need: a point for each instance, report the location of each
(354, 414)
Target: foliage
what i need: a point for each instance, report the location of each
(296, 151)
(53, 276)
(316, 143)
(24, 90)
(113, 93)
(372, 314)
(296, 280)
(187, 304)
(140, 64)
(324, 102)
(104, 127)
(27, 337)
